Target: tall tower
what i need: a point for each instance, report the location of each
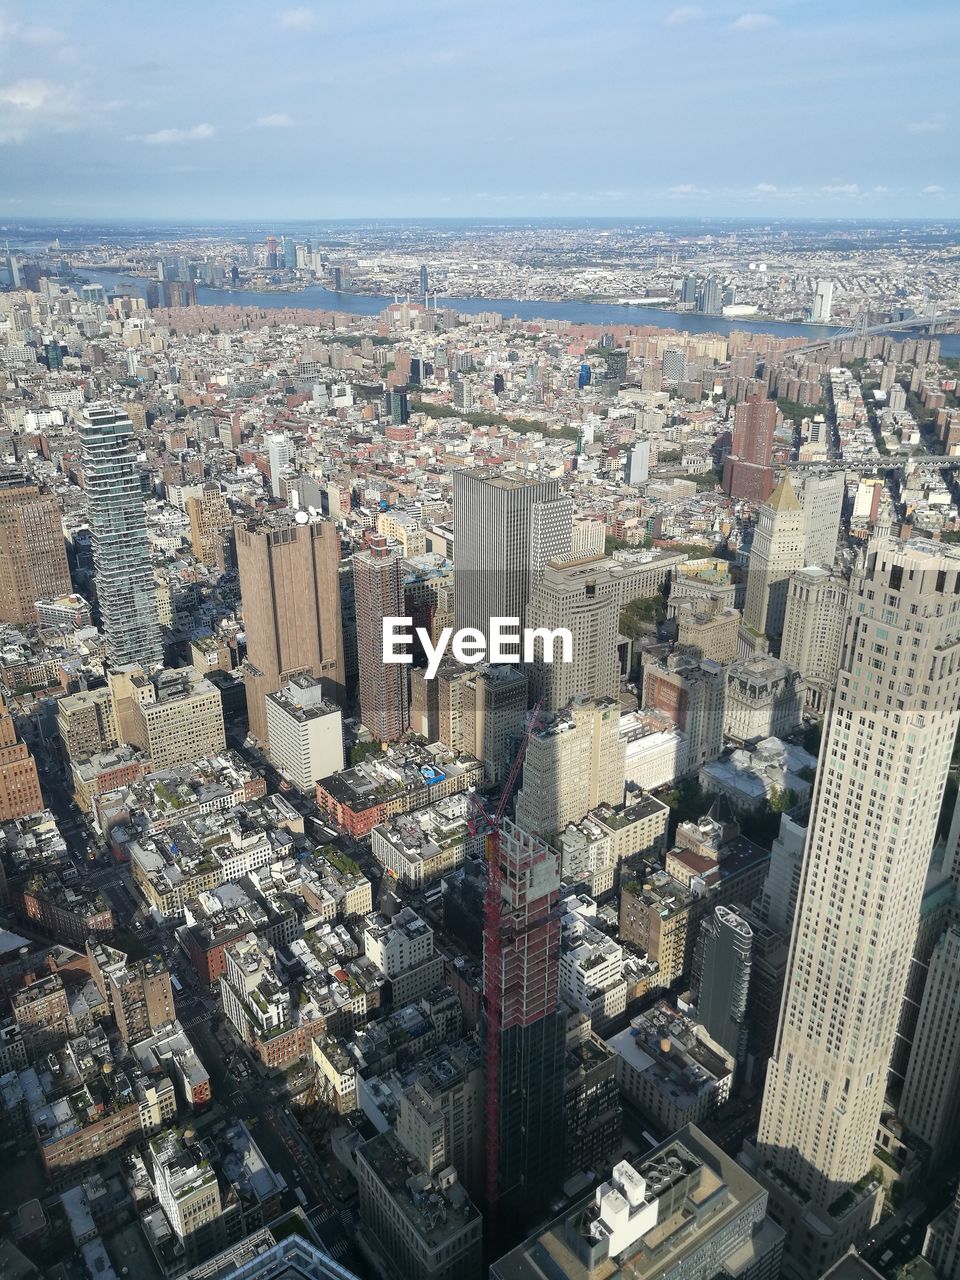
(378, 587)
(777, 551)
(33, 557)
(521, 974)
(822, 302)
(290, 591)
(126, 592)
(876, 803)
(505, 529)
(748, 471)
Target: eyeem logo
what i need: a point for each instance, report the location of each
(469, 645)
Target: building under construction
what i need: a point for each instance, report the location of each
(525, 1028)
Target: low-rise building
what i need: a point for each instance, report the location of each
(669, 1067)
(428, 1227)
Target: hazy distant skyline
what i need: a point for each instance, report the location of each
(793, 108)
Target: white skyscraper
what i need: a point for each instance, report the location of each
(822, 302)
(821, 495)
(777, 551)
(876, 803)
(279, 454)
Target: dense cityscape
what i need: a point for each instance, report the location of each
(446, 966)
(479, 641)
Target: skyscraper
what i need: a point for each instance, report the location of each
(33, 557)
(727, 942)
(279, 455)
(505, 529)
(747, 471)
(291, 607)
(813, 629)
(776, 552)
(121, 553)
(875, 808)
(522, 983)
(822, 302)
(424, 280)
(709, 297)
(378, 587)
(821, 495)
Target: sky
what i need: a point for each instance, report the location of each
(479, 108)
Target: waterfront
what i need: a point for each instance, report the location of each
(317, 297)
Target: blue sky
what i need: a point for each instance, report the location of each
(447, 108)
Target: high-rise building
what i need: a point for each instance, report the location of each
(748, 470)
(424, 281)
(505, 530)
(821, 495)
(876, 802)
(692, 692)
(174, 716)
(19, 785)
(378, 585)
(522, 977)
(583, 598)
(574, 763)
(291, 607)
(638, 462)
(279, 455)
(822, 302)
(688, 291)
(305, 731)
(121, 553)
(709, 298)
(210, 520)
(776, 552)
(930, 1102)
(813, 627)
(727, 943)
(33, 556)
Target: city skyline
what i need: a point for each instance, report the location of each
(174, 129)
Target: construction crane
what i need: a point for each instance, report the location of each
(482, 822)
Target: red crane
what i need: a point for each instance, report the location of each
(482, 822)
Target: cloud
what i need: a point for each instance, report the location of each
(687, 189)
(753, 22)
(934, 124)
(686, 13)
(302, 19)
(167, 137)
(33, 105)
(934, 189)
(36, 34)
(841, 189)
(276, 120)
(766, 188)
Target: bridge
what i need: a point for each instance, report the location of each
(929, 321)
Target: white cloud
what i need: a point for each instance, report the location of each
(753, 22)
(10, 29)
(934, 189)
(276, 120)
(687, 189)
(766, 188)
(29, 106)
(686, 13)
(841, 189)
(933, 124)
(27, 95)
(166, 137)
(298, 19)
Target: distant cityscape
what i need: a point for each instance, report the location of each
(644, 962)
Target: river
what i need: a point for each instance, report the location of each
(316, 297)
